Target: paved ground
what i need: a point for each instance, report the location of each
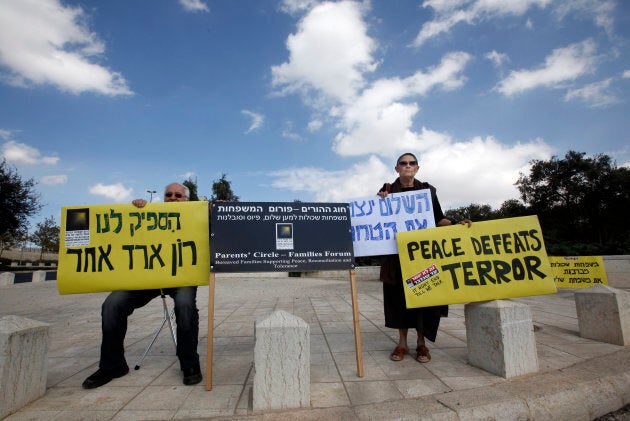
(579, 379)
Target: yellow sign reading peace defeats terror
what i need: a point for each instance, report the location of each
(491, 260)
(123, 247)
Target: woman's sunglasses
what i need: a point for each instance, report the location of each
(405, 163)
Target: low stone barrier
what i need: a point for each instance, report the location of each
(39, 276)
(604, 314)
(23, 362)
(282, 356)
(7, 278)
(500, 337)
(617, 271)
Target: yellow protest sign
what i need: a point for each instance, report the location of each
(122, 247)
(578, 271)
(491, 260)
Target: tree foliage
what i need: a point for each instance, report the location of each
(473, 212)
(581, 204)
(46, 236)
(192, 189)
(18, 200)
(222, 190)
(9, 240)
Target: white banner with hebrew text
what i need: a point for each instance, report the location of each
(376, 221)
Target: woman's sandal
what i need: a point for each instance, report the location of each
(398, 354)
(423, 354)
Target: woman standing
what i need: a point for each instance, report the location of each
(424, 320)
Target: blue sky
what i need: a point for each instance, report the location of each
(101, 101)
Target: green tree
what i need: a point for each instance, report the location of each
(18, 200)
(474, 212)
(222, 190)
(581, 203)
(9, 240)
(192, 188)
(512, 208)
(46, 236)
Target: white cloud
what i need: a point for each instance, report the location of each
(372, 118)
(626, 74)
(257, 120)
(54, 179)
(450, 13)
(529, 24)
(20, 153)
(332, 186)
(293, 7)
(380, 122)
(114, 192)
(5, 134)
(562, 65)
(194, 5)
(329, 53)
(601, 11)
(480, 170)
(315, 125)
(475, 171)
(44, 42)
(597, 94)
(497, 58)
(375, 121)
(289, 133)
(444, 6)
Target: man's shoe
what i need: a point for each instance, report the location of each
(104, 376)
(192, 375)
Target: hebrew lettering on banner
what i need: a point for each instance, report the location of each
(280, 237)
(578, 271)
(109, 247)
(375, 221)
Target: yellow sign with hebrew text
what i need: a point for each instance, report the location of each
(491, 260)
(123, 247)
(578, 271)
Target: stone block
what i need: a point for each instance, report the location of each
(282, 376)
(23, 362)
(604, 314)
(500, 337)
(7, 278)
(39, 276)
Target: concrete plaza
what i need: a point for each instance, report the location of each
(579, 379)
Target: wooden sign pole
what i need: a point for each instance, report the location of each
(355, 317)
(210, 332)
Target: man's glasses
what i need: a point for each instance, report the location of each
(177, 195)
(405, 163)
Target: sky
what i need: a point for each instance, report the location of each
(106, 101)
